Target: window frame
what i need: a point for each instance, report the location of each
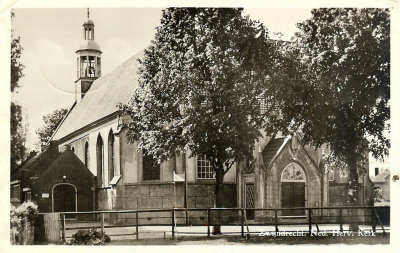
(101, 182)
(204, 164)
(13, 197)
(331, 175)
(86, 154)
(156, 166)
(111, 156)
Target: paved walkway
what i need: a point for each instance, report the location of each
(254, 240)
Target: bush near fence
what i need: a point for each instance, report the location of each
(22, 223)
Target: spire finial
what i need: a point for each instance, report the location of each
(88, 13)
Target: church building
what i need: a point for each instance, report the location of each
(285, 173)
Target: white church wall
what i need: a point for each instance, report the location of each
(78, 142)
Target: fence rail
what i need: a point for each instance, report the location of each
(374, 216)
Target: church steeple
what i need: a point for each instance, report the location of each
(88, 60)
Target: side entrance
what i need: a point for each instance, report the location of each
(64, 199)
(293, 189)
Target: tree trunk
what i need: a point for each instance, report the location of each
(219, 180)
(354, 187)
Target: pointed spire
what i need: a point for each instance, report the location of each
(88, 13)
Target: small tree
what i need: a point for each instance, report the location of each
(51, 122)
(336, 85)
(199, 85)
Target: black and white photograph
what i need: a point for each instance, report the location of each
(200, 125)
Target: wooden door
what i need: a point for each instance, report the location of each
(293, 195)
(64, 197)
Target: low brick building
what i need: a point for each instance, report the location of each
(55, 181)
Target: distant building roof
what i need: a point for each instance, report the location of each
(102, 98)
(380, 178)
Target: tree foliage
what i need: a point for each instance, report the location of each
(17, 136)
(16, 66)
(200, 80)
(51, 122)
(336, 80)
(17, 132)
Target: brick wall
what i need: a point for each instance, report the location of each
(161, 196)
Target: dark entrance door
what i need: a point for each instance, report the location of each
(249, 200)
(64, 196)
(293, 195)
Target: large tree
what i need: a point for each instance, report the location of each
(17, 132)
(51, 122)
(200, 81)
(334, 86)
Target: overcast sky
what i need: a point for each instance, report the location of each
(50, 38)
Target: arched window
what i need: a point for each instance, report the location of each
(293, 173)
(87, 155)
(73, 149)
(100, 161)
(293, 189)
(111, 155)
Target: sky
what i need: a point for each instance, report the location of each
(50, 38)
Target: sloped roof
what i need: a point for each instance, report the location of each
(64, 162)
(380, 178)
(271, 149)
(276, 145)
(19, 172)
(102, 98)
(35, 165)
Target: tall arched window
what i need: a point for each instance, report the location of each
(87, 155)
(111, 154)
(100, 161)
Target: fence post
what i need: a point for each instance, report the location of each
(63, 228)
(341, 219)
(186, 217)
(309, 222)
(276, 221)
(373, 221)
(137, 225)
(379, 220)
(242, 229)
(208, 222)
(102, 227)
(173, 223)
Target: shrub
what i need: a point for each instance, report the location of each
(89, 237)
(21, 222)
